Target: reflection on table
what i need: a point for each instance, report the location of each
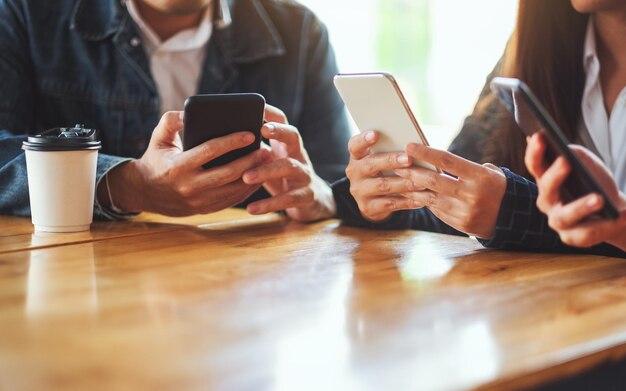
(232, 301)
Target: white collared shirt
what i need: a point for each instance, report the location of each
(176, 63)
(607, 132)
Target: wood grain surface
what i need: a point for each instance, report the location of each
(232, 301)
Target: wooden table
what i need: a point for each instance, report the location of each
(231, 301)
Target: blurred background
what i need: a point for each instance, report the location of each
(440, 51)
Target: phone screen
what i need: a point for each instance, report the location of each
(217, 115)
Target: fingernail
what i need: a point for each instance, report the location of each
(266, 156)
(181, 115)
(248, 138)
(369, 136)
(270, 129)
(593, 201)
(403, 159)
(253, 209)
(252, 175)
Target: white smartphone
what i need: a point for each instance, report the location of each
(375, 102)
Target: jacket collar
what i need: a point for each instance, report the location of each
(244, 28)
(96, 20)
(252, 35)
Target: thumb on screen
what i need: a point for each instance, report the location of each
(169, 126)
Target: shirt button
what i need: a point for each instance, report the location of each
(134, 42)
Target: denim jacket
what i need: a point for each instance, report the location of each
(80, 61)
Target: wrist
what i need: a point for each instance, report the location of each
(618, 239)
(329, 199)
(123, 190)
(323, 205)
(497, 188)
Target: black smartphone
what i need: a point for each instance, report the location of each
(532, 117)
(216, 115)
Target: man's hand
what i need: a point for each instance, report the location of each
(377, 196)
(168, 181)
(470, 202)
(575, 221)
(289, 178)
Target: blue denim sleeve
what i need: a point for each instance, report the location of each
(14, 198)
(418, 219)
(17, 108)
(522, 226)
(18, 113)
(13, 180)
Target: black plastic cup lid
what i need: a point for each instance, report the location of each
(63, 139)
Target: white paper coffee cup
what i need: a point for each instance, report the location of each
(61, 169)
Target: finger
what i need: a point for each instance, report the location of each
(551, 183)
(373, 165)
(293, 199)
(382, 186)
(274, 114)
(289, 136)
(575, 212)
(220, 198)
(587, 235)
(359, 144)
(170, 124)
(444, 160)
(231, 172)
(590, 233)
(429, 199)
(534, 156)
(215, 148)
(378, 207)
(435, 181)
(283, 168)
(586, 157)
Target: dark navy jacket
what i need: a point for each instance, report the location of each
(78, 61)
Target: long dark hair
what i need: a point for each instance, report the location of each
(546, 52)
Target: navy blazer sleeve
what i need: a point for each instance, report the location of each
(522, 226)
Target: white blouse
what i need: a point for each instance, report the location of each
(608, 132)
(176, 64)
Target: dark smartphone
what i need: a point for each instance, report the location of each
(216, 115)
(531, 117)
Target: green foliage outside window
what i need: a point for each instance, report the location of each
(403, 47)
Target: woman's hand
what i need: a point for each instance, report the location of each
(289, 177)
(470, 202)
(575, 221)
(377, 196)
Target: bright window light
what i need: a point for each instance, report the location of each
(440, 51)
